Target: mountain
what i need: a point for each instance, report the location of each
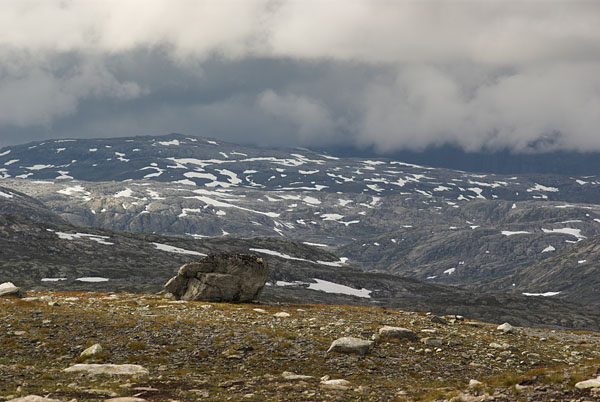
(387, 216)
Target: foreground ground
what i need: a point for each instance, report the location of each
(210, 351)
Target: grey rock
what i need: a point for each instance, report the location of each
(92, 351)
(288, 375)
(220, 278)
(432, 341)
(350, 344)
(397, 332)
(593, 383)
(9, 289)
(108, 369)
(338, 384)
(33, 398)
(506, 328)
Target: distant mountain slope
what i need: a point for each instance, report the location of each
(573, 273)
(15, 202)
(188, 161)
(65, 257)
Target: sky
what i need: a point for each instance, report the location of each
(385, 75)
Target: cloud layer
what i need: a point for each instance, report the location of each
(386, 74)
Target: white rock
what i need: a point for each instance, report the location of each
(288, 375)
(9, 289)
(282, 314)
(506, 328)
(110, 369)
(91, 351)
(350, 344)
(336, 384)
(593, 383)
(474, 383)
(259, 310)
(34, 398)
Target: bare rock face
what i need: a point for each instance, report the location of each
(220, 278)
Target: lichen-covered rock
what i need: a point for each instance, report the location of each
(349, 344)
(108, 369)
(92, 351)
(398, 333)
(221, 278)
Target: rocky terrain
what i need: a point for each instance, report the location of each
(160, 350)
(380, 215)
(47, 256)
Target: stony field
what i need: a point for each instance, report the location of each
(189, 351)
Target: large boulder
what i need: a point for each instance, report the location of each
(220, 278)
(8, 289)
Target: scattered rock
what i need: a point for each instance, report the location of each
(474, 383)
(506, 328)
(336, 384)
(222, 278)
(432, 341)
(109, 369)
(350, 344)
(501, 346)
(9, 289)
(92, 351)
(438, 320)
(397, 332)
(288, 375)
(593, 383)
(282, 314)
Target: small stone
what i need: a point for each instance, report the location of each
(282, 314)
(438, 320)
(432, 341)
(92, 351)
(506, 328)
(125, 399)
(398, 333)
(260, 310)
(338, 384)
(474, 383)
(501, 346)
(350, 344)
(288, 375)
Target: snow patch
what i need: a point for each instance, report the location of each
(173, 249)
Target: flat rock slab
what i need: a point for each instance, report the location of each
(350, 344)
(397, 332)
(34, 398)
(108, 369)
(593, 383)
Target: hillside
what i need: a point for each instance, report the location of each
(188, 351)
(381, 215)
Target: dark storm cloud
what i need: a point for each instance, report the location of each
(490, 74)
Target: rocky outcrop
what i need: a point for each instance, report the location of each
(222, 278)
